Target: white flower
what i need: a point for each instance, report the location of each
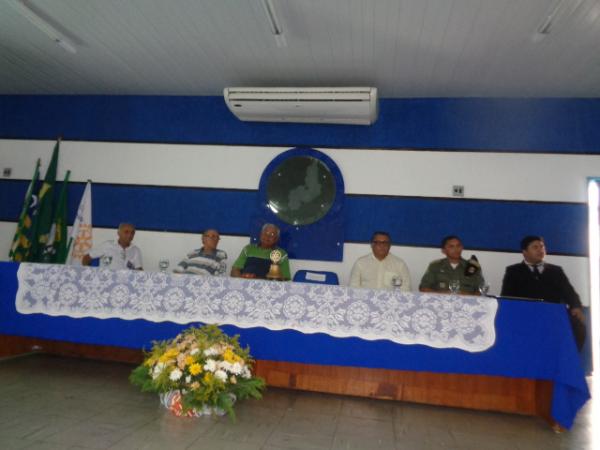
(236, 368)
(188, 379)
(233, 379)
(158, 368)
(175, 374)
(195, 351)
(212, 351)
(246, 373)
(211, 365)
(221, 375)
(224, 365)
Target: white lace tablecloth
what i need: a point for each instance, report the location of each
(436, 320)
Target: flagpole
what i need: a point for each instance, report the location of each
(55, 250)
(81, 232)
(21, 243)
(43, 219)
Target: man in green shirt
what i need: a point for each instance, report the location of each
(255, 260)
(452, 268)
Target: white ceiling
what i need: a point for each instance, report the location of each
(406, 48)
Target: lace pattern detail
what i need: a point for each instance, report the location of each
(436, 320)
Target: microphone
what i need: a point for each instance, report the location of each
(473, 267)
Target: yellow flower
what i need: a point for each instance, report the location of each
(189, 360)
(172, 353)
(208, 377)
(151, 361)
(230, 356)
(195, 369)
(169, 354)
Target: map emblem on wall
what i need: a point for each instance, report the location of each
(302, 192)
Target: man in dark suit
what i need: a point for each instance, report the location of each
(534, 278)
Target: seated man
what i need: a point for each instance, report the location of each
(207, 260)
(453, 267)
(535, 278)
(255, 260)
(380, 269)
(121, 254)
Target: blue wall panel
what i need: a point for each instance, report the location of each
(534, 125)
(483, 224)
(174, 209)
(321, 240)
(171, 209)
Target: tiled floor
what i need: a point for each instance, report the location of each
(58, 403)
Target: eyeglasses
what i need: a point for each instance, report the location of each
(270, 234)
(381, 242)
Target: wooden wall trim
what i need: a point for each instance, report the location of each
(481, 392)
(18, 345)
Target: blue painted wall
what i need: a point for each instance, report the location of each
(485, 225)
(532, 125)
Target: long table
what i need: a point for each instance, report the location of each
(532, 368)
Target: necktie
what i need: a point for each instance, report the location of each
(536, 272)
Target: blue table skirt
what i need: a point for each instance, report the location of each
(533, 340)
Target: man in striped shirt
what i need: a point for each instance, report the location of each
(207, 260)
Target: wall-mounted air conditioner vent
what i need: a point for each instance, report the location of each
(357, 106)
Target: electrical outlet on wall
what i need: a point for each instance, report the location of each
(458, 190)
(6, 172)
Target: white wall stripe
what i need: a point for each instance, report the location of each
(502, 176)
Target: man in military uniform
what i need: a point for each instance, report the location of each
(452, 268)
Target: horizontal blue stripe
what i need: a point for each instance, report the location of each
(483, 224)
(532, 125)
(173, 209)
(185, 210)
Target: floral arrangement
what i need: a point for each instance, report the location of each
(200, 371)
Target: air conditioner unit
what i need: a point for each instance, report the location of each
(356, 106)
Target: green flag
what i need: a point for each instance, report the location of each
(21, 245)
(56, 249)
(43, 219)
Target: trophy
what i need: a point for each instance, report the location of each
(274, 270)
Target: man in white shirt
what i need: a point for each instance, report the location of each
(380, 269)
(120, 254)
